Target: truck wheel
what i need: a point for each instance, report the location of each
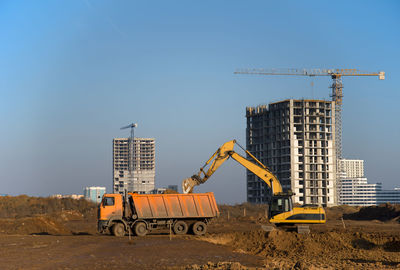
(140, 229)
(180, 227)
(118, 229)
(199, 228)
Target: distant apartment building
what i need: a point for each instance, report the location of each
(388, 196)
(94, 194)
(133, 169)
(352, 167)
(351, 183)
(72, 196)
(358, 192)
(354, 189)
(296, 140)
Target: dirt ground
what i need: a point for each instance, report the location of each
(106, 252)
(353, 238)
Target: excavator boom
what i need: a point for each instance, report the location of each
(281, 210)
(220, 156)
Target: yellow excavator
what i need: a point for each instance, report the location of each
(281, 210)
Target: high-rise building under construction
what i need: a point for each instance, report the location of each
(296, 140)
(133, 165)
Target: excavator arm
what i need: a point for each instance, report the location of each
(220, 156)
(281, 210)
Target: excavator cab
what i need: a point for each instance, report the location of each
(280, 204)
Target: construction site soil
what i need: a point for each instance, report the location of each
(64, 236)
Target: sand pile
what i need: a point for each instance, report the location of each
(33, 225)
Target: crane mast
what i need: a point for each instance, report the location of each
(131, 146)
(337, 90)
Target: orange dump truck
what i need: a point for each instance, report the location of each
(142, 213)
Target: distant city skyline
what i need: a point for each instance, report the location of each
(74, 72)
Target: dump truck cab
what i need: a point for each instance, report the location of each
(110, 210)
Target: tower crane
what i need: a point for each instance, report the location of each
(131, 145)
(337, 89)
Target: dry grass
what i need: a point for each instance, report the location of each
(24, 206)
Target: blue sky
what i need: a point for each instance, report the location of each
(73, 72)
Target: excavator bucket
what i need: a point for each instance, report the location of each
(188, 184)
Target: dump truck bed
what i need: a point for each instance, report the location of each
(193, 205)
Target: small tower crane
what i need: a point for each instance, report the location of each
(131, 145)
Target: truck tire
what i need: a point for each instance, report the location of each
(180, 227)
(118, 229)
(140, 229)
(199, 228)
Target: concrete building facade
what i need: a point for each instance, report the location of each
(137, 173)
(296, 140)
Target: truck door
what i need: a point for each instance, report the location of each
(111, 206)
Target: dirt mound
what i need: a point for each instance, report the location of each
(244, 209)
(337, 212)
(219, 265)
(329, 249)
(69, 215)
(383, 212)
(281, 243)
(33, 225)
(36, 215)
(170, 191)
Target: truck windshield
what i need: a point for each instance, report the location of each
(107, 201)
